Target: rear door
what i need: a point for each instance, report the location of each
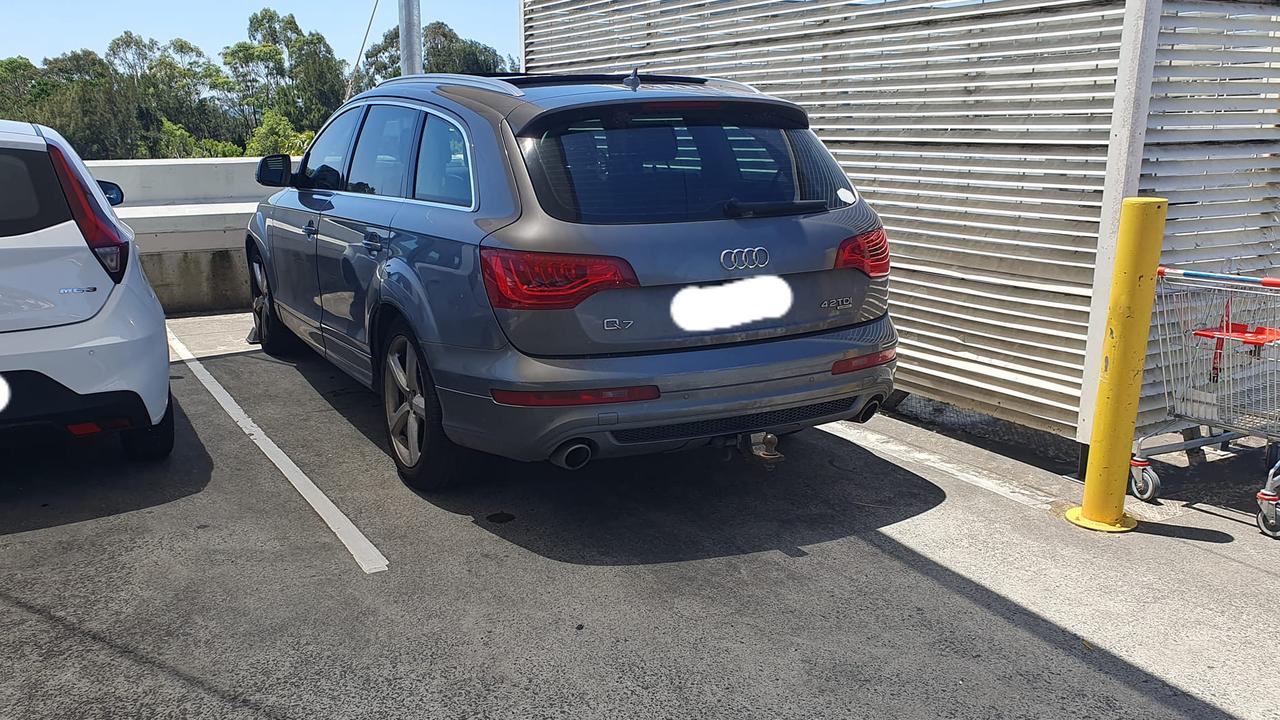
(729, 217)
(354, 230)
(48, 274)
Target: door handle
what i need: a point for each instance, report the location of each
(310, 230)
(372, 242)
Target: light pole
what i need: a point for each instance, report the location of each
(410, 37)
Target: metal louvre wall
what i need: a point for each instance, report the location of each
(978, 131)
(1213, 144)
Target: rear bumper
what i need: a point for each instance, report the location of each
(706, 394)
(40, 403)
(123, 348)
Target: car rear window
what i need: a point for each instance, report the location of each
(30, 196)
(644, 165)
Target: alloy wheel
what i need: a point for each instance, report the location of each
(403, 401)
(261, 300)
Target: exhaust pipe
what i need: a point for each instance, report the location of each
(869, 410)
(572, 455)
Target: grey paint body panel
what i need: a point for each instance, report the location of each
(671, 256)
(720, 382)
(428, 271)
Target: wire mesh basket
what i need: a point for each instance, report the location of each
(1219, 339)
(1220, 350)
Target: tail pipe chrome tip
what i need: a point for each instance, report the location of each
(572, 455)
(869, 410)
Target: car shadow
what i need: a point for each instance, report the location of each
(690, 505)
(47, 481)
(894, 609)
(660, 508)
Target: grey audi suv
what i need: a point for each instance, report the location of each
(568, 267)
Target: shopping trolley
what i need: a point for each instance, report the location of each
(1219, 339)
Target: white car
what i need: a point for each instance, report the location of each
(83, 345)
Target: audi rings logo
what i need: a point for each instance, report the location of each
(744, 258)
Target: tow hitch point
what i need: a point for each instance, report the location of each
(762, 446)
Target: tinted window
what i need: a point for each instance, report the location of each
(383, 154)
(674, 166)
(328, 155)
(760, 153)
(30, 196)
(444, 164)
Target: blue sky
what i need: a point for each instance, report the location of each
(45, 28)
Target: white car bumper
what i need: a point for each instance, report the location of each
(123, 348)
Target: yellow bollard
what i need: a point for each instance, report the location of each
(1124, 349)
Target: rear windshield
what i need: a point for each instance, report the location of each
(30, 196)
(675, 165)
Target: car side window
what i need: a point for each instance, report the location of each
(328, 154)
(384, 152)
(444, 164)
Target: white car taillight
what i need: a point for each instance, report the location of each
(100, 232)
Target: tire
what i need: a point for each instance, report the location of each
(1266, 526)
(271, 334)
(412, 416)
(1145, 485)
(150, 444)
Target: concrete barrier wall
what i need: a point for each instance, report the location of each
(189, 219)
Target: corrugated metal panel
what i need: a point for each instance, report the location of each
(1213, 144)
(977, 130)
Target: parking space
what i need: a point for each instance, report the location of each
(852, 581)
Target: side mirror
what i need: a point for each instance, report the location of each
(275, 171)
(114, 194)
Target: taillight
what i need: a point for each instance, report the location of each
(597, 396)
(868, 252)
(102, 235)
(521, 280)
(862, 362)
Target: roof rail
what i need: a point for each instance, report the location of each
(476, 81)
(533, 79)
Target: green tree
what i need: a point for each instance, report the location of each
(144, 98)
(277, 135)
(185, 87)
(19, 79)
(443, 51)
(381, 61)
(175, 141)
(282, 68)
(131, 55)
(316, 81)
(89, 105)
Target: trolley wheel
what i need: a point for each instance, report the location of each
(1145, 484)
(1267, 527)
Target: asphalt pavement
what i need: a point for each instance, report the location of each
(849, 582)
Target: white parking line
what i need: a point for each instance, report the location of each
(371, 560)
(885, 445)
